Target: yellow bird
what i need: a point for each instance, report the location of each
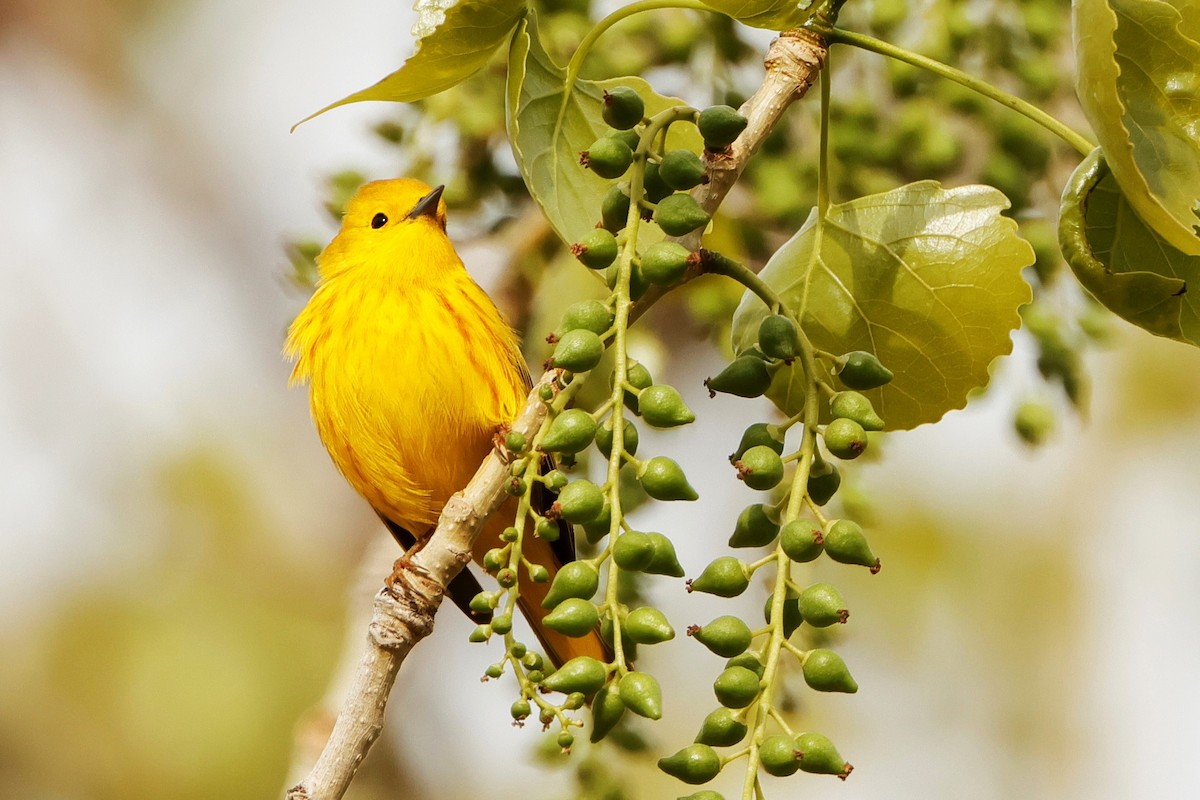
(411, 371)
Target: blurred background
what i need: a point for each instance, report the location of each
(185, 576)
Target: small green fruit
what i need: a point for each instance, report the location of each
(608, 157)
(736, 687)
(760, 468)
(623, 108)
(682, 169)
(565, 740)
(578, 351)
(607, 710)
(820, 757)
(520, 709)
(648, 625)
(515, 442)
(727, 636)
(721, 729)
(778, 338)
(862, 370)
(573, 617)
(630, 137)
(596, 529)
(823, 482)
(664, 561)
(532, 661)
(1033, 422)
(570, 432)
(580, 501)
(802, 540)
(855, 406)
(822, 605)
(654, 187)
(779, 755)
(494, 559)
(720, 126)
(845, 542)
(627, 644)
(760, 433)
(555, 480)
(663, 407)
(694, 764)
(791, 613)
(754, 528)
(483, 602)
(581, 674)
(577, 579)
(538, 573)
(749, 661)
(745, 376)
(614, 209)
(664, 263)
(663, 479)
(597, 249)
(679, 214)
(604, 437)
(825, 671)
(502, 624)
(845, 438)
(633, 551)
(481, 634)
(641, 694)
(724, 577)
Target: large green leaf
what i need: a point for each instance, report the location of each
(928, 279)
(1126, 265)
(1139, 84)
(775, 15)
(454, 41)
(549, 126)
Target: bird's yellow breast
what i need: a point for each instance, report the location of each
(409, 380)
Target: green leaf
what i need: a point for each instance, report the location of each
(775, 15)
(1126, 265)
(928, 279)
(549, 126)
(454, 41)
(1139, 84)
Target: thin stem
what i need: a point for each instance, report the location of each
(823, 158)
(1076, 140)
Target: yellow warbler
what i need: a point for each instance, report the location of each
(412, 370)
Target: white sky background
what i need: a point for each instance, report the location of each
(143, 307)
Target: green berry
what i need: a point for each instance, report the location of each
(481, 634)
(638, 285)
(779, 755)
(555, 480)
(515, 442)
(1033, 422)
(483, 602)
(663, 479)
(823, 482)
(726, 636)
(532, 661)
(736, 687)
(802, 540)
(623, 108)
(724, 577)
(608, 157)
(578, 351)
(574, 700)
(641, 694)
(606, 633)
(614, 209)
(663, 407)
(607, 710)
(581, 674)
(648, 625)
(589, 315)
(745, 376)
(846, 543)
(596, 529)
(538, 573)
(604, 437)
(653, 186)
(694, 764)
(494, 559)
(637, 376)
(573, 617)
(633, 551)
(822, 605)
(778, 338)
(760, 468)
(577, 579)
(855, 406)
(565, 740)
(679, 214)
(596, 250)
(580, 501)
(845, 438)
(791, 613)
(760, 433)
(630, 137)
(720, 126)
(754, 528)
(825, 671)
(665, 263)
(494, 671)
(570, 432)
(502, 624)
(862, 370)
(820, 757)
(721, 729)
(682, 169)
(663, 561)
(520, 709)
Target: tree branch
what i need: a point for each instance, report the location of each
(403, 611)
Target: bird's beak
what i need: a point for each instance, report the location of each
(427, 206)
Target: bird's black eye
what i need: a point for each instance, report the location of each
(379, 220)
